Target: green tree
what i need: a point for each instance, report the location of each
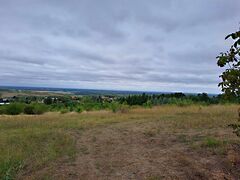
(47, 100)
(230, 61)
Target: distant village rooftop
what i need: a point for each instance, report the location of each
(4, 101)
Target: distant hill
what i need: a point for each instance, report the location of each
(92, 92)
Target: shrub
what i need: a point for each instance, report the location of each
(29, 109)
(14, 109)
(40, 108)
(148, 104)
(63, 111)
(185, 102)
(114, 107)
(56, 107)
(35, 109)
(2, 110)
(70, 108)
(79, 109)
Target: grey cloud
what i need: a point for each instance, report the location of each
(137, 45)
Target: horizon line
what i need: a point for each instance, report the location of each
(71, 88)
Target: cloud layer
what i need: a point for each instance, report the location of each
(152, 45)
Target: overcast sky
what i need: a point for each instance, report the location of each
(156, 45)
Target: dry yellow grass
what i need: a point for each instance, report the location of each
(33, 146)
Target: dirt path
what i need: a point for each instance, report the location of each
(129, 151)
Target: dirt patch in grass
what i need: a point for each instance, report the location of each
(126, 151)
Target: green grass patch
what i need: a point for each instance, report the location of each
(31, 149)
(211, 142)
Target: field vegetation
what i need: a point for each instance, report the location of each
(67, 103)
(162, 142)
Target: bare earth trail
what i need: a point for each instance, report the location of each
(134, 150)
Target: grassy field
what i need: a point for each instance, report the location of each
(166, 142)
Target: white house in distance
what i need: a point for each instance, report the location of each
(4, 101)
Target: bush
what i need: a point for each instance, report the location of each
(63, 111)
(57, 107)
(14, 109)
(35, 109)
(79, 109)
(148, 104)
(2, 110)
(40, 108)
(29, 109)
(114, 107)
(184, 102)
